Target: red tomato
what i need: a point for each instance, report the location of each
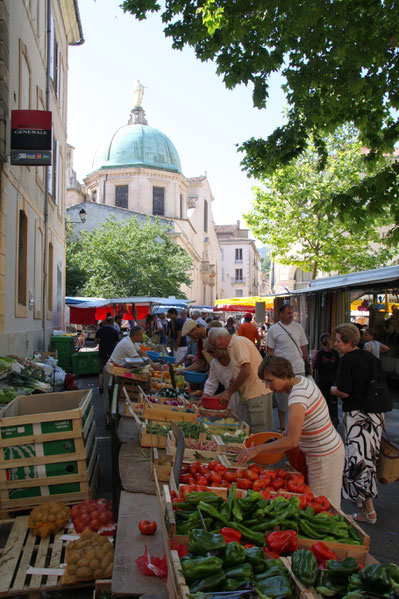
(215, 477)
(147, 527)
(231, 477)
(295, 486)
(303, 502)
(192, 470)
(256, 468)
(251, 475)
(272, 474)
(277, 483)
(240, 473)
(212, 465)
(265, 479)
(215, 484)
(184, 478)
(270, 489)
(323, 501)
(281, 473)
(244, 483)
(202, 480)
(224, 484)
(220, 468)
(196, 465)
(258, 485)
(203, 469)
(265, 494)
(296, 476)
(183, 489)
(316, 506)
(184, 470)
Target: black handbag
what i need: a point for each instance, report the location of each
(377, 398)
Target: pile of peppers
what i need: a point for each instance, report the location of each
(255, 517)
(212, 565)
(344, 578)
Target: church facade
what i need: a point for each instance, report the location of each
(138, 172)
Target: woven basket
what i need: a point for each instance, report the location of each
(388, 462)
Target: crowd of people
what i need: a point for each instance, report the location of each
(246, 364)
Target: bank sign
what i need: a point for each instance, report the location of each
(31, 137)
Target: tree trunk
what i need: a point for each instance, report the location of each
(314, 270)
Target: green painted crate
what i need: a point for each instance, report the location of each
(47, 443)
(85, 362)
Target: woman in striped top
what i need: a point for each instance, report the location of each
(309, 426)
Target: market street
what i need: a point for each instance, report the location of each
(384, 545)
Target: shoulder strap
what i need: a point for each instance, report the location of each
(292, 339)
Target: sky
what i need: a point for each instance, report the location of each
(184, 98)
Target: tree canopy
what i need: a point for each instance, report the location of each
(293, 215)
(340, 61)
(126, 259)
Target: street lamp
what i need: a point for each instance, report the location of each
(82, 216)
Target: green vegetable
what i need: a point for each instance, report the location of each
(275, 571)
(304, 566)
(195, 497)
(257, 558)
(339, 571)
(193, 569)
(376, 578)
(252, 536)
(235, 510)
(241, 572)
(202, 542)
(234, 554)
(227, 506)
(210, 583)
(326, 592)
(275, 587)
(211, 511)
(232, 584)
(353, 595)
(355, 582)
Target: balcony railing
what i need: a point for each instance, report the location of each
(238, 281)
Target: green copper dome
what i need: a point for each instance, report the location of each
(140, 146)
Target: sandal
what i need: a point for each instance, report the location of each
(365, 517)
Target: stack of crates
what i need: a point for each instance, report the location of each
(48, 449)
(64, 345)
(85, 361)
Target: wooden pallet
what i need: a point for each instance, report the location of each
(22, 549)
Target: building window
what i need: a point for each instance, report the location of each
(205, 216)
(238, 254)
(239, 278)
(121, 196)
(181, 205)
(54, 58)
(22, 258)
(222, 249)
(238, 293)
(94, 195)
(158, 201)
(50, 277)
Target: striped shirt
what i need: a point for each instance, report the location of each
(318, 437)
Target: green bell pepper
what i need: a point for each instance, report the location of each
(355, 582)
(241, 572)
(275, 587)
(234, 554)
(212, 512)
(257, 558)
(232, 584)
(339, 571)
(376, 578)
(197, 496)
(274, 571)
(210, 583)
(326, 592)
(202, 542)
(353, 595)
(201, 567)
(304, 566)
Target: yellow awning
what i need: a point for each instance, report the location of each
(247, 301)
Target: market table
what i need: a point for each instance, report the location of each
(126, 578)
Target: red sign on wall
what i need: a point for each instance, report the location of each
(31, 137)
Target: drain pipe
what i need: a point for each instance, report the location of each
(46, 184)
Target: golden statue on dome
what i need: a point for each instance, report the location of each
(138, 94)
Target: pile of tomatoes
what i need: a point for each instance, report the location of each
(199, 477)
(94, 515)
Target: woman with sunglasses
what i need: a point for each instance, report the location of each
(308, 426)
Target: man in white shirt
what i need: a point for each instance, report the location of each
(287, 339)
(196, 315)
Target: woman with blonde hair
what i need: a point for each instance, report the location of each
(363, 428)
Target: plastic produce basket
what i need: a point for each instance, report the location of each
(167, 359)
(195, 377)
(153, 355)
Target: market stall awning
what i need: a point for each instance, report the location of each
(243, 304)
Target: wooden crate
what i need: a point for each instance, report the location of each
(47, 453)
(195, 453)
(181, 590)
(125, 373)
(161, 465)
(21, 550)
(102, 588)
(162, 413)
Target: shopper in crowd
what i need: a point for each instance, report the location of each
(325, 365)
(106, 338)
(118, 323)
(287, 339)
(249, 330)
(245, 360)
(196, 315)
(197, 333)
(230, 325)
(176, 338)
(148, 325)
(219, 378)
(308, 426)
(157, 329)
(372, 345)
(362, 429)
